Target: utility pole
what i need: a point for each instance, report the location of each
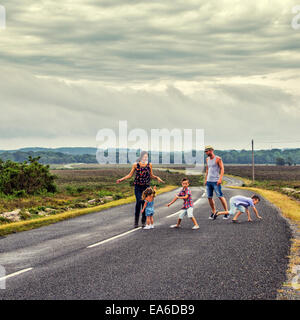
(253, 176)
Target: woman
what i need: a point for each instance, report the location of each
(142, 179)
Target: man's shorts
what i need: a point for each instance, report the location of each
(234, 209)
(188, 212)
(211, 187)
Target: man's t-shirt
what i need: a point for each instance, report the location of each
(242, 201)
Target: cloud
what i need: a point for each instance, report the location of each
(74, 67)
(146, 40)
(57, 111)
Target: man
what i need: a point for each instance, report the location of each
(213, 180)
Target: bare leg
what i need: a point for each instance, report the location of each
(151, 220)
(222, 212)
(212, 205)
(224, 203)
(195, 221)
(237, 215)
(178, 222)
(148, 220)
(249, 217)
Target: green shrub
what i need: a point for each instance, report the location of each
(80, 189)
(4, 220)
(118, 196)
(104, 193)
(20, 193)
(29, 177)
(34, 210)
(71, 190)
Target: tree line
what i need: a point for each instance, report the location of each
(274, 156)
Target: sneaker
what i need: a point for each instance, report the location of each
(136, 226)
(147, 227)
(195, 227)
(235, 221)
(151, 226)
(174, 226)
(226, 217)
(215, 216)
(211, 217)
(143, 225)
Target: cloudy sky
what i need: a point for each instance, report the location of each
(72, 67)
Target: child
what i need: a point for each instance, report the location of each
(239, 205)
(187, 208)
(148, 197)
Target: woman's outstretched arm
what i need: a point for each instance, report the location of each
(153, 176)
(130, 174)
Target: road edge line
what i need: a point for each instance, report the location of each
(15, 274)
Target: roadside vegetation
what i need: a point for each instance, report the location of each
(37, 222)
(31, 191)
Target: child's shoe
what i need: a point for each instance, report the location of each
(226, 217)
(195, 227)
(147, 227)
(174, 226)
(151, 226)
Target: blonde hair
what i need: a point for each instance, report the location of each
(148, 192)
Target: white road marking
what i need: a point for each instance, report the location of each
(15, 274)
(199, 200)
(113, 238)
(173, 214)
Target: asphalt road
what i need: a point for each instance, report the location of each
(94, 256)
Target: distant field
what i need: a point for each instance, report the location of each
(107, 176)
(285, 179)
(112, 166)
(266, 172)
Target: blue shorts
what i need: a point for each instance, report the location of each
(234, 209)
(211, 187)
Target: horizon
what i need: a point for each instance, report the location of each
(149, 150)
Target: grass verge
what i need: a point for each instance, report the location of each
(37, 223)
